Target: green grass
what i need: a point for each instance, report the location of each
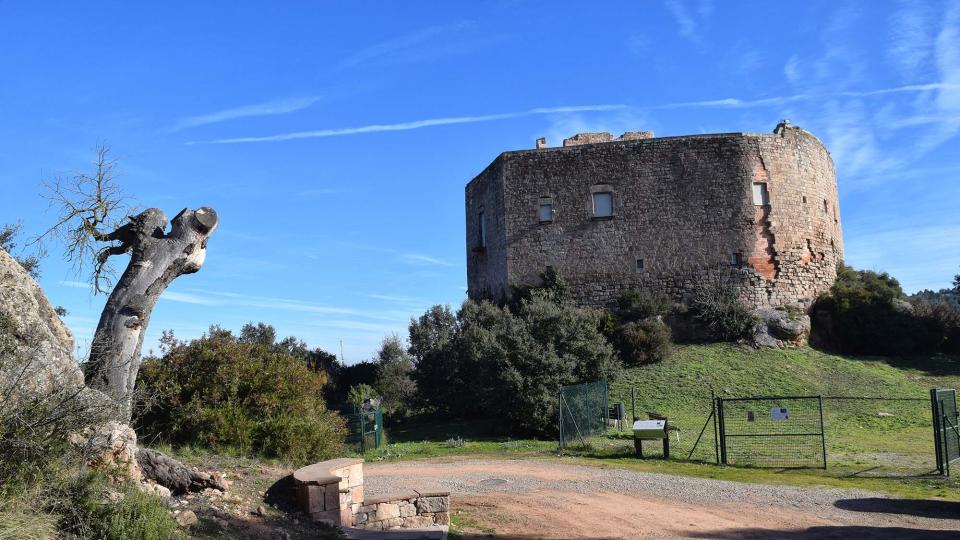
(886, 454)
(858, 440)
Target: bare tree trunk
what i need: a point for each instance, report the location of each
(157, 258)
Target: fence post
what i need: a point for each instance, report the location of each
(716, 437)
(937, 444)
(363, 437)
(722, 437)
(823, 434)
(560, 411)
(606, 405)
(943, 418)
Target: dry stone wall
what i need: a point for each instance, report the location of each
(683, 209)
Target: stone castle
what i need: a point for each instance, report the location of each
(659, 212)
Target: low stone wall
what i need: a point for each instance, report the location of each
(332, 492)
(416, 510)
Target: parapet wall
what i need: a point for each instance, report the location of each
(332, 492)
(684, 210)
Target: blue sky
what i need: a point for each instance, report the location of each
(335, 140)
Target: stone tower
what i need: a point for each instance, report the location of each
(662, 213)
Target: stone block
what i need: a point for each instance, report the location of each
(346, 517)
(387, 511)
(331, 497)
(418, 522)
(392, 523)
(355, 475)
(315, 499)
(407, 510)
(433, 504)
(442, 518)
(356, 494)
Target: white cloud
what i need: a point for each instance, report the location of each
(912, 33)
(419, 259)
(188, 298)
(406, 44)
(416, 124)
(269, 108)
(687, 26)
(75, 284)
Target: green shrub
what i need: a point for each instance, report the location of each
(240, 394)
(637, 304)
(644, 342)
(869, 314)
(87, 510)
(489, 361)
(944, 308)
(360, 393)
(716, 303)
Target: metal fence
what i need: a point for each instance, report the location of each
(946, 428)
(583, 411)
(774, 431)
(364, 428)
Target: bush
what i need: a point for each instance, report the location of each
(644, 342)
(944, 308)
(489, 361)
(637, 304)
(87, 512)
(240, 394)
(869, 314)
(360, 393)
(716, 303)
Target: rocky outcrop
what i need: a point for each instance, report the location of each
(38, 346)
(780, 327)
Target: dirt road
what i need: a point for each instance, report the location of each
(526, 499)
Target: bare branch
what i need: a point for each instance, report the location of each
(87, 206)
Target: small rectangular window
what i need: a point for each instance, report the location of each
(760, 196)
(736, 259)
(482, 223)
(603, 204)
(639, 265)
(545, 212)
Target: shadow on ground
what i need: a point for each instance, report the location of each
(828, 533)
(913, 507)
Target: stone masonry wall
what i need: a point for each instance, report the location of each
(684, 205)
(332, 492)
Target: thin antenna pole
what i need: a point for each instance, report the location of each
(342, 361)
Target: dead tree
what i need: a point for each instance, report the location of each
(89, 225)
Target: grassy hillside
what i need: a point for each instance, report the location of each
(861, 437)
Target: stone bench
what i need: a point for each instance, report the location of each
(332, 492)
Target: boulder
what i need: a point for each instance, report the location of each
(112, 447)
(777, 327)
(36, 347)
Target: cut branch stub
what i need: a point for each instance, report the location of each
(156, 259)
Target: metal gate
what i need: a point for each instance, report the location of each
(364, 428)
(946, 428)
(583, 410)
(775, 431)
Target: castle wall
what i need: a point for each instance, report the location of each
(487, 259)
(684, 205)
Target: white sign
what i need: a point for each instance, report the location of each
(779, 413)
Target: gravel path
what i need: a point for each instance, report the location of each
(516, 496)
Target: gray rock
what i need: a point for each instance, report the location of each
(433, 504)
(36, 354)
(187, 519)
(779, 328)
